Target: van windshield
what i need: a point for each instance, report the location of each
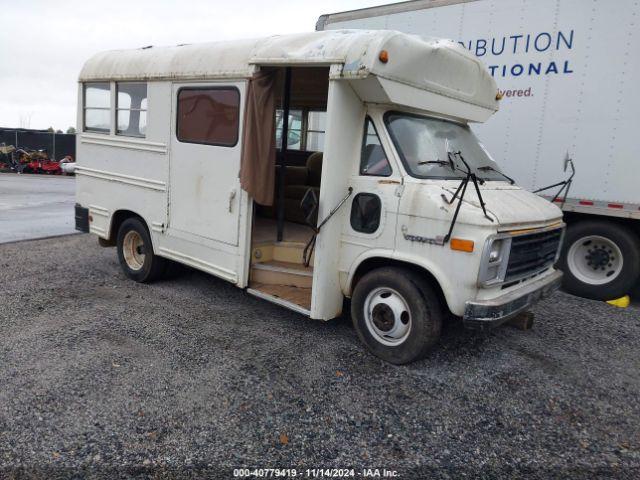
(420, 140)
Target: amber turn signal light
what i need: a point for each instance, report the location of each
(384, 56)
(462, 245)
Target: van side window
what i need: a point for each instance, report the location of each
(373, 161)
(97, 107)
(208, 115)
(306, 129)
(365, 213)
(316, 126)
(131, 105)
(294, 142)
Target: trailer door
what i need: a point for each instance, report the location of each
(204, 198)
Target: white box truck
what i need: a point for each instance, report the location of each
(569, 71)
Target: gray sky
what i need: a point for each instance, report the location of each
(43, 44)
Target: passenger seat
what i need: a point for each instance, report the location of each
(308, 177)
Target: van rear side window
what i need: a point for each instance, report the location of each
(97, 107)
(208, 115)
(132, 108)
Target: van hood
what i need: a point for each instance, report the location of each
(511, 205)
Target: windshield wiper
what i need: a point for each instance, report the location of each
(460, 192)
(442, 163)
(451, 164)
(488, 168)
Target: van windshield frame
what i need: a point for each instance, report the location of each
(438, 133)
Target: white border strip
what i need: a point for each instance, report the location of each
(200, 264)
(96, 210)
(118, 177)
(123, 142)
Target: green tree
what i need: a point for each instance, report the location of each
(71, 130)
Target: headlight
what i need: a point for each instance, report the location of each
(494, 252)
(495, 257)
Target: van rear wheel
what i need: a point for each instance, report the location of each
(396, 314)
(135, 252)
(600, 260)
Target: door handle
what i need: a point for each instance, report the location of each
(232, 196)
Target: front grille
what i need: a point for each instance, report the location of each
(532, 253)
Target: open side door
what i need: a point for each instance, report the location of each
(204, 199)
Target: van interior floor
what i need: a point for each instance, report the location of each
(278, 272)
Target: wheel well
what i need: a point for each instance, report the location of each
(377, 262)
(116, 220)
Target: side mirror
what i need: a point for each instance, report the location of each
(309, 206)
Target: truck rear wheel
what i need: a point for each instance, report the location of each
(396, 314)
(135, 252)
(600, 260)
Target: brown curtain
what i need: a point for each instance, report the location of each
(257, 165)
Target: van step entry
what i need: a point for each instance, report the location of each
(288, 252)
(294, 298)
(282, 273)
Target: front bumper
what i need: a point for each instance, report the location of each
(486, 314)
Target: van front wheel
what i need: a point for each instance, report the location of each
(396, 314)
(135, 252)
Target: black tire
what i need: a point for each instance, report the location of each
(424, 309)
(152, 267)
(625, 240)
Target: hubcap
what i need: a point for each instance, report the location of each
(133, 250)
(595, 260)
(387, 316)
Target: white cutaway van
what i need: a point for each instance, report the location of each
(312, 168)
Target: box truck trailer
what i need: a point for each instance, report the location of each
(568, 71)
(395, 205)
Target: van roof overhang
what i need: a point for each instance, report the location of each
(383, 91)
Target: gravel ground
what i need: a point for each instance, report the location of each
(192, 377)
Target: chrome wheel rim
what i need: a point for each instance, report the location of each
(387, 316)
(595, 260)
(133, 250)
